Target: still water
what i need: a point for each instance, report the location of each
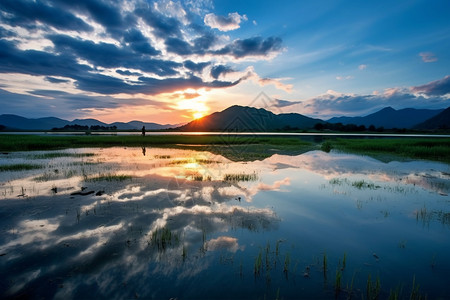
(160, 223)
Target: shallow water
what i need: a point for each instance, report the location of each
(168, 223)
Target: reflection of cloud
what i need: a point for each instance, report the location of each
(223, 243)
(275, 186)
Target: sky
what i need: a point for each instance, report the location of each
(170, 62)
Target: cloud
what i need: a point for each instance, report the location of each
(139, 42)
(30, 14)
(216, 71)
(125, 47)
(254, 47)
(55, 80)
(439, 87)
(252, 75)
(429, 96)
(362, 67)
(231, 22)
(428, 57)
(344, 77)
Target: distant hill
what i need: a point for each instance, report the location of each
(391, 118)
(244, 118)
(21, 123)
(439, 121)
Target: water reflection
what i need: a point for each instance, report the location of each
(136, 222)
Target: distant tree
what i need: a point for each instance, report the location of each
(319, 126)
(2, 127)
(371, 128)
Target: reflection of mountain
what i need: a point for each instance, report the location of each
(21, 123)
(390, 118)
(244, 118)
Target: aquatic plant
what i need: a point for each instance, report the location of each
(337, 282)
(373, 288)
(240, 177)
(109, 177)
(258, 263)
(19, 167)
(59, 154)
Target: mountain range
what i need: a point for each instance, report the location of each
(391, 118)
(244, 118)
(21, 123)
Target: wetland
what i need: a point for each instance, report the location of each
(222, 220)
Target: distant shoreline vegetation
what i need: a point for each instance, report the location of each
(77, 127)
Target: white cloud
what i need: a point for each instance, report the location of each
(344, 77)
(428, 57)
(362, 67)
(231, 22)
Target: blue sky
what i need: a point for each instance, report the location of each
(172, 61)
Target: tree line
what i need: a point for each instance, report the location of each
(77, 127)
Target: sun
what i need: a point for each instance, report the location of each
(198, 115)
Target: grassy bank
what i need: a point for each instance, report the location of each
(239, 147)
(35, 142)
(437, 149)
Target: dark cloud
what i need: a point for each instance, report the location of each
(55, 80)
(33, 62)
(103, 12)
(139, 42)
(163, 26)
(439, 87)
(29, 13)
(283, 103)
(178, 46)
(111, 56)
(256, 46)
(99, 54)
(216, 71)
(128, 73)
(93, 64)
(195, 67)
(204, 42)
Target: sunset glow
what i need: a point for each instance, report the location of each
(174, 61)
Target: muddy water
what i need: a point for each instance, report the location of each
(170, 223)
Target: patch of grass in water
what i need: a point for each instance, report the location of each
(241, 177)
(19, 167)
(110, 177)
(422, 148)
(59, 154)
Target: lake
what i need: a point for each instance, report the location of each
(165, 223)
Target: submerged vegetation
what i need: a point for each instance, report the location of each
(423, 148)
(19, 167)
(109, 177)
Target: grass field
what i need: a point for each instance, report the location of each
(437, 149)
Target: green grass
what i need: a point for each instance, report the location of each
(239, 147)
(59, 154)
(109, 177)
(422, 148)
(19, 167)
(240, 177)
(35, 142)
